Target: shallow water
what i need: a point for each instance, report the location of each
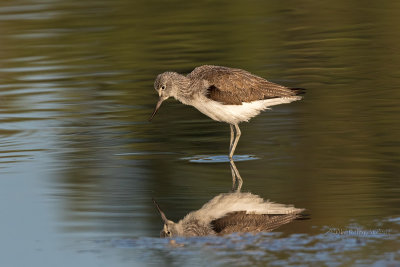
(79, 162)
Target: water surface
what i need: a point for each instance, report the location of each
(79, 162)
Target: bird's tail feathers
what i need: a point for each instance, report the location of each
(298, 91)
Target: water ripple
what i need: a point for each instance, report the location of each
(274, 248)
(219, 158)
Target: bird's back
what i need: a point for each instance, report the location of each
(233, 86)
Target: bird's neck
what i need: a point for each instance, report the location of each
(182, 92)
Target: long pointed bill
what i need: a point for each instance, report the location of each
(156, 109)
(164, 218)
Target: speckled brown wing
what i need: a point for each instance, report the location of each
(241, 222)
(234, 86)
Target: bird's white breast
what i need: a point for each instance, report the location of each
(234, 114)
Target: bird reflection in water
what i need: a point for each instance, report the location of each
(237, 180)
(232, 212)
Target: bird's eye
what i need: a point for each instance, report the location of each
(163, 87)
(168, 233)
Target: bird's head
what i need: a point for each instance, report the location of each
(170, 228)
(167, 84)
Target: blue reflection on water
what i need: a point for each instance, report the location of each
(273, 248)
(218, 158)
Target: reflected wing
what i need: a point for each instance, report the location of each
(234, 86)
(241, 222)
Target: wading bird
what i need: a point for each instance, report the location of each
(224, 94)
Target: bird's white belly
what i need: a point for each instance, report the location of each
(234, 114)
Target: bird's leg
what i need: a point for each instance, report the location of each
(230, 159)
(232, 137)
(235, 141)
(235, 177)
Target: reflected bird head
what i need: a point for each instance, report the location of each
(170, 228)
